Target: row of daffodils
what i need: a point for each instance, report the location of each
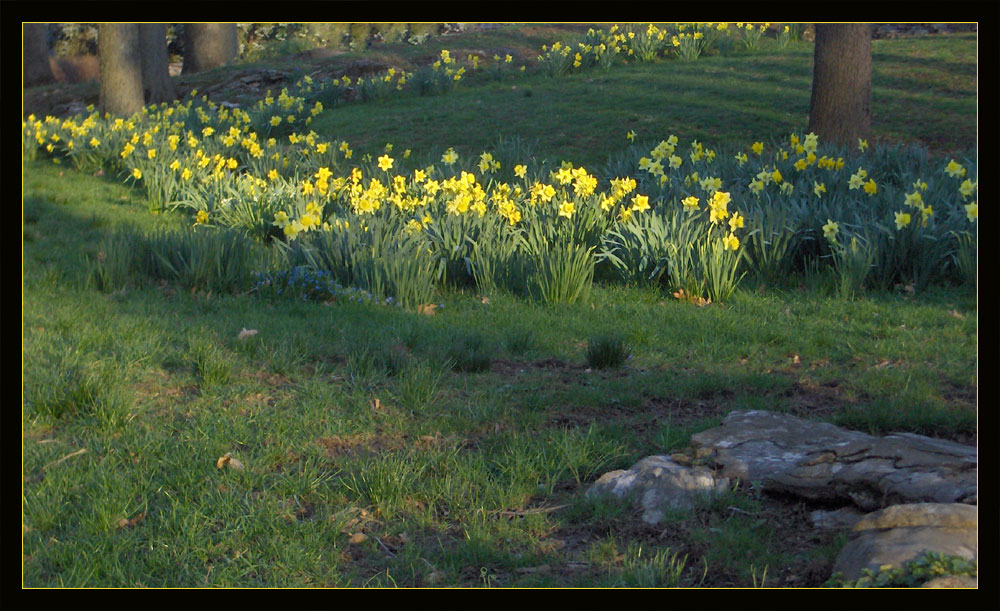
(694, 220)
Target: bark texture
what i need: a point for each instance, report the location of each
(208, 45)
(840, 106)
(156, 83)
(121, 68)
(36, 56)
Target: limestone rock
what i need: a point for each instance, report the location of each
(823, 462)
(898, 534)
(845, 517)
(952, 581)
(657, 484)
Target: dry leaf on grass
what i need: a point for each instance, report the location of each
(126, 523)
(245, 333)
(957, 314)
(701, 302)
(358, 538)
(427, 309)
(227, 460)
(377, 405)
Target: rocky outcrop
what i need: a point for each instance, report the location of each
(657, 484)
(823, 462)
(899, 534)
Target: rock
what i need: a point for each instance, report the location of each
(845, 517)
(952, 581)
(823, 462)
(898, 534)
(657, 484)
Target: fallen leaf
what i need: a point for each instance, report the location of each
(883, 363)
(124, 523)
(482, 299)
(227, 460)
(376, 404)
(245, 333)
(427, 309)
(957, 314)
(796, 360)
(358, 538)
(435, 577)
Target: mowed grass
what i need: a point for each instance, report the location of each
(924, 91)
(377, 448)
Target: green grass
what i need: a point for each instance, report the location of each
(720, 101)
(460, 443)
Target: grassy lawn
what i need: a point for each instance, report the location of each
(175, 437)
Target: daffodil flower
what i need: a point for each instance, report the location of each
(830, 230)
(902, 219)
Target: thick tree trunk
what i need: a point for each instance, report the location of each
(36, 56)
(156, 82)
(121, 68)
(840, 110)
(208, 45)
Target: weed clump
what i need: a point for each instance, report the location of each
(607, 352)
(470, 352)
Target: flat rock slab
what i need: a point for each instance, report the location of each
(898, 534)
(657, 484)
(822, 462)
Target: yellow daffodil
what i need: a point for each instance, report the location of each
(870, 187)
(385, 163)
(830, 230)
(968, 188)
(640, 203)
(972, 211)
(201, 218)
(567, 209)
(735, 222)
(902, 219)
(914, 200)
(690, 203)
(954, 169)
(819, 189)
(862, 145)
(730, 242)
(758, 147)
(137, 174)
(520, 171)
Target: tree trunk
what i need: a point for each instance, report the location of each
(121, 68)
(208, 45)
(840, 110)
(156, 82)
(36, 56)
